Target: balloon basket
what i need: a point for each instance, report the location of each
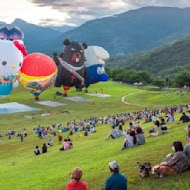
(65, 94)
(37, 98)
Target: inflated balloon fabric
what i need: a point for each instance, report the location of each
(11, 60)
(11, 33)
(37, 73)
(95, 65)
(71, 70)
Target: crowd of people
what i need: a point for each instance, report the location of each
(21, 134)
(186, 88)
(46, 132)
(177, 162)
(133, 136)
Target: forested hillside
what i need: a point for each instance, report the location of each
(164, 61)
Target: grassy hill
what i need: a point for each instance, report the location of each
(164, 61)
(51, 171)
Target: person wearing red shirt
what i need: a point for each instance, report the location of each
(75, 183)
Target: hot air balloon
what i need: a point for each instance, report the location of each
(37, 73)
(11, 59)
(11, 33)
(95, 65)
(71, 70)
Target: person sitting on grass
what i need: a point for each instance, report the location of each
(70, 143)
(66, 145)
(75, 183)
(86, 132)
(163, 125)
(44, 148)
(187, 128)
(117, 181)
(177, 162)
(37, 151)
(132, 125)
(156, 130)
(170, 117)
(127, 132)
(70, 132)
(92, 129)
(138, 124)
(140, 136)
(187, 148)
(120, 131)
(112, 134)
(130, 141)
(184, 118)
(50, 143)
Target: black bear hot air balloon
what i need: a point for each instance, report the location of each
(71, 70)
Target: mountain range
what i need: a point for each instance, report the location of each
(62, 28)
(129, 38)
(123, 34)
(134, 31)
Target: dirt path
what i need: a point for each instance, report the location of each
(127, 103)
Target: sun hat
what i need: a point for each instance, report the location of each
(114, 165)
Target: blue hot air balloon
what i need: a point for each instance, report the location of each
(95, 65)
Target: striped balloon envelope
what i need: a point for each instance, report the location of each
(37, 73)
(11, 33)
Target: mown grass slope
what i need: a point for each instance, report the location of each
(51, 171)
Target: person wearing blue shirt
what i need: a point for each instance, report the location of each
(117, 181)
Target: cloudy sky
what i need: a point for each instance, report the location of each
(73, 12)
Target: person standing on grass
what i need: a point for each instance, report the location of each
(117, 181)
(75, 183)
(60, 139)
(21, 137)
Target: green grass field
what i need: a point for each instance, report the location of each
(51, 171)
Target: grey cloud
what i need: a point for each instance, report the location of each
(169, 3)
(83, 10)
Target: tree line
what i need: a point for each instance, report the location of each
(132, 76)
